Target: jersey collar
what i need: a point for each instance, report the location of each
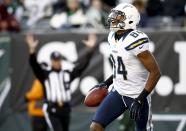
(123, 36)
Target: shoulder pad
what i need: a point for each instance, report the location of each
(135, 39)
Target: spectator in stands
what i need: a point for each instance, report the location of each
(154, 8)
(85, 3)
(96, 17)
(141, 6)
(7, 21)
(15, 8)
(125, 1)
(174, 12)
(35, 98)
(37, 10)
(174, 8)
(59, 6)
(165, 13)
(73, 17)
(108, 4)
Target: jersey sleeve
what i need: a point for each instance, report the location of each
(109, 38)
(137, 43)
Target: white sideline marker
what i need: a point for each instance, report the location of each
(176, 117)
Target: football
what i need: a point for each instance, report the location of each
(95, 96)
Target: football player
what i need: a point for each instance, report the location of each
(135, 72)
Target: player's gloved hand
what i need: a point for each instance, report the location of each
(100, 85)
(135, 109)
(137, 104)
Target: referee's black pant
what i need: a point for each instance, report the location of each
(57, 117)
(39, 123)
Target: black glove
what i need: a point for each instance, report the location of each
(137, 104)
(100, 85)
(135, 109)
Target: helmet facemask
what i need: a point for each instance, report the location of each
(116, 20)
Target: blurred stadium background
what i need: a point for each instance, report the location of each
(62, 25)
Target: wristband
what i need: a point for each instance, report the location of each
(109, 81)
(142, 95)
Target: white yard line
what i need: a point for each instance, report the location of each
(5, 91)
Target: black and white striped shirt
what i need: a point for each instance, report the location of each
(57, 83)
(57, 86)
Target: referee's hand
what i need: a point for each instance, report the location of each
(31, 42)
(91, 41)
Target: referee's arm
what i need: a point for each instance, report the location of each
(38, 71)
(91, 43)
(32, 44)
(81, 65)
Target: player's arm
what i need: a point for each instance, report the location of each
(152, 66)
(149, 62)
(140, 48)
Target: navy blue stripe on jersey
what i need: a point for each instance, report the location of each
(137, 43)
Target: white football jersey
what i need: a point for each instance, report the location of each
(129, 74)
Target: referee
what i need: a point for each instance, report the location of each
(56, 83)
